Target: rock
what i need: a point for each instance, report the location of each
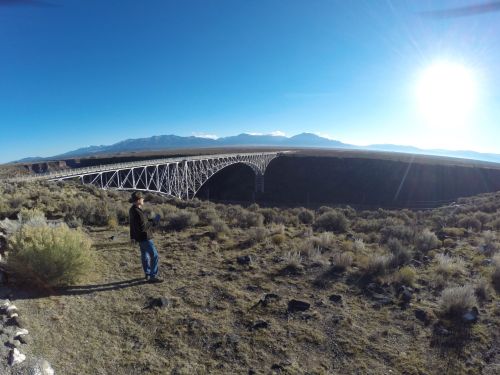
(244, 260)
(11, 311)
(20, 332)
(25, 339)
(160, 302)
(296, 305)
(17, 321)
(36, 367)
(406, 296)
(278, 367)
(15, 357)
(471, 317)
(337, 298)
(423, 316)
(259, 324)
(46, 368)
(12, 343)
(382, 299)
(4, 304)
(487, 262)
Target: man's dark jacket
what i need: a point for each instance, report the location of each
(140, 228)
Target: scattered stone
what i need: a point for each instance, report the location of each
(405, 295)
(296, 305)
(382, 299)
(20, 332)
(337, 298)
(4, 303)
(160, 302)
(11, 343)
(471, 317)
(25, 339)
(487, 262)
(278, 367)
(46, 368)
(16, 357)
(16, 321)
(244, 260)
(416, 263)
(260, 324)
(423, 316)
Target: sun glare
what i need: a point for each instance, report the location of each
(446, 95)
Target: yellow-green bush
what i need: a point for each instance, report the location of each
(406, 276)
(49, 256)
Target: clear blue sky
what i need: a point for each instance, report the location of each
(75, 73)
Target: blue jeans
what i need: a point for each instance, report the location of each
(149, 257)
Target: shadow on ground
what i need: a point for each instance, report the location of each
(18, 293)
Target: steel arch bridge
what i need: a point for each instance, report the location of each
(176, 177)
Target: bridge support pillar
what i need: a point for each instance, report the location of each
(259, 183)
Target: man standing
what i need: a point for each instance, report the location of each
(140, 231)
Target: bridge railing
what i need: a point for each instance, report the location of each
(141, 163)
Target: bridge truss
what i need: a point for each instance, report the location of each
(176, 177)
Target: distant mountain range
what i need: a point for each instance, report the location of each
(165, 142)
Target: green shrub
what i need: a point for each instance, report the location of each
(378, 265)
(468, 222)
(271, 215)
(219, 227)
(332, 221)
(306, 216)
(401, 254)
(257, 234)
(495, 276)
(489, 244)
(455, 301)
(249, 219)
(399, 231)
(426, 241)
(182, 219)
(46, 256)
(453, 232)
(207, 215)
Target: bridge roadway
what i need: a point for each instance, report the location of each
(179, 177)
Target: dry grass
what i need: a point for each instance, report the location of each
(101, 325)
(457, 300)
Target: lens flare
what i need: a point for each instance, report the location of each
(447, 95)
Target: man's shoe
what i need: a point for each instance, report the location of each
(146, 277)
(155, 279)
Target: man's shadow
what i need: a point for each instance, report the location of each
(23, 293)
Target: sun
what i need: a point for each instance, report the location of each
(446, 95)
